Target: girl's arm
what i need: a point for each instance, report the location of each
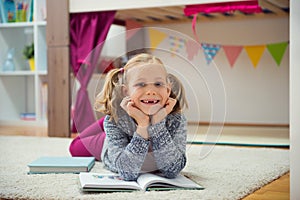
(123, 154)
(169, 144)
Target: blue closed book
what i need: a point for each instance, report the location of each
(61, 165)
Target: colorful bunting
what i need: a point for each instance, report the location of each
(232, 53)
(192, 49)
(277, 51)
(156, 37)
(255, 53)
(210, 51)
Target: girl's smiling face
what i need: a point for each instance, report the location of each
(147, 87)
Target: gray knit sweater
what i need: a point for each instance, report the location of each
(124, 151)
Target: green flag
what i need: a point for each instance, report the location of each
(277, 51)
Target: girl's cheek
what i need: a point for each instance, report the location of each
(163, 103)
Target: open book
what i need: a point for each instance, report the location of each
(95, 182)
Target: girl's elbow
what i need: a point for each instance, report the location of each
(129, 176)
(171, 174)
(126, 172)
(174, 171)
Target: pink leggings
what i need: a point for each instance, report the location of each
(89, 142)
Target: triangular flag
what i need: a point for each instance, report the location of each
(156, 37)
(176, 44)
(132, 27)
(255, 53)
(210, 51)
(277, 50)
(192, 49)
(232, 53)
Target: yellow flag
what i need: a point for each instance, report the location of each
(156, 37)
(255, 53)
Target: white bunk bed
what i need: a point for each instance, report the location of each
(58, 38)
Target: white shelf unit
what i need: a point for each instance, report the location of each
(23, 90)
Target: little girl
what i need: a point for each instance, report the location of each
(145, 129)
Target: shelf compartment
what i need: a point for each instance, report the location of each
(15, 37)
(17, 96)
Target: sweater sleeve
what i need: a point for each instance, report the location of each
(169, 144)
(124, 154)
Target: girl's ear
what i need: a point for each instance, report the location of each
(169, 89)
(124, 90)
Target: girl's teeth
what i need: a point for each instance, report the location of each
(147, 101)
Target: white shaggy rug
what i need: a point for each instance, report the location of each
(226, 173)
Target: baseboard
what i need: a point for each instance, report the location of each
(238, 124)
(24, 130)
(239, 135)
(240, 144)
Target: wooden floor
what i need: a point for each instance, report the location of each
(276, 190)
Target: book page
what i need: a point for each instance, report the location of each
(99, 182)
(153, 180)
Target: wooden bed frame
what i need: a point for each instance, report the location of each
(57, 31)
(59, 97)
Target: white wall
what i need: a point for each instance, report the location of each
(116, 39)
(253, 95)
(295, 99)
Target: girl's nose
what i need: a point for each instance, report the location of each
(151, 91)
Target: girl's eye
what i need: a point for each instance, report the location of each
(140, 84)
(159, 84)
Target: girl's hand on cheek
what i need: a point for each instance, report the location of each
(170, 105)
(162, 113)
(124, 103)
(141, 118)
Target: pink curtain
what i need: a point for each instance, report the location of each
(87, 33)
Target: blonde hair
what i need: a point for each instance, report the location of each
(178, 93)
(109, 99)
